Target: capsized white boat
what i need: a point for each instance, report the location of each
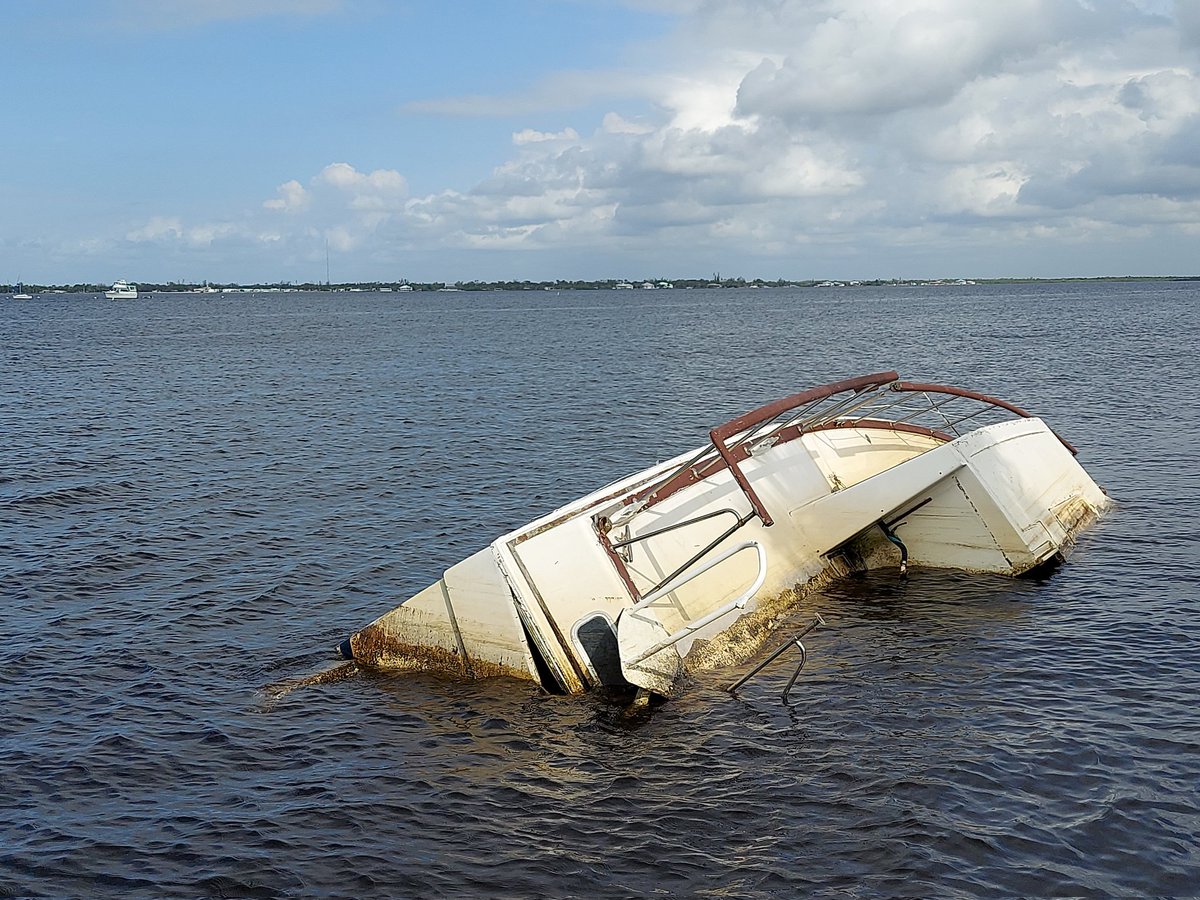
(689, 564)
(122, 290)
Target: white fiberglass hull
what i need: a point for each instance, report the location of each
(587, 594)
(122, 290)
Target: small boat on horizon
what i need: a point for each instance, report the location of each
(692, 563)
(19, 293)
(122, 290)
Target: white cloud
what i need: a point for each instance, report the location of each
(984, 190)
(157, 229)
(166, 230)
(381, 181)
(204, 235)
(864, 58)
(849, 127)
(530, 136)
(703, 104)
(1164, 97)
(614, 123)
(292, 198)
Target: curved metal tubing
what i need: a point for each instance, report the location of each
(771, 410)
(729, 607)
(791, 681)
(794, 639)
(920, 387)
(729, 440)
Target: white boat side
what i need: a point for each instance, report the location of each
(693, 560)
(122, 290)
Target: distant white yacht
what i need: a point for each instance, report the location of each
(122, 290)
(20, 293)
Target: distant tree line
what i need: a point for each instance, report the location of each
(716, 281)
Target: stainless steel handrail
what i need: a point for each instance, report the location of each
(729, 607)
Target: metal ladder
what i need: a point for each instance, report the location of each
(792, 641)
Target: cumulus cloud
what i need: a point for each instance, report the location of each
(614, 123)
(867, 58)
(784, 129)
(782, 121)
(345, 177)
(292, 198)
(368, 197)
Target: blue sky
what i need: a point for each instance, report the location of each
(233, 140)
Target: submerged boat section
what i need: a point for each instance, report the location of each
(692, 562)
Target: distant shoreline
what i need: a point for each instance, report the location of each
(716, 282)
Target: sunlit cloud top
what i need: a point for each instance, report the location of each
(766, 137)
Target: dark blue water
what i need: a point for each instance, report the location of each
(199, 497)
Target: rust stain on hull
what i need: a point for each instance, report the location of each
(1074, 517)
(375, 647)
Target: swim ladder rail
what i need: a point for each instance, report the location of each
(793, 641)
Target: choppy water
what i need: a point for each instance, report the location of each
(199, 497)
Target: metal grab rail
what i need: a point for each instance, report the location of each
(727, 510)
(712, 545)
(729, 607)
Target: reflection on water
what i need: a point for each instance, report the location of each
(199, 497)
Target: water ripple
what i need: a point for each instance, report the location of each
(199, 497)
